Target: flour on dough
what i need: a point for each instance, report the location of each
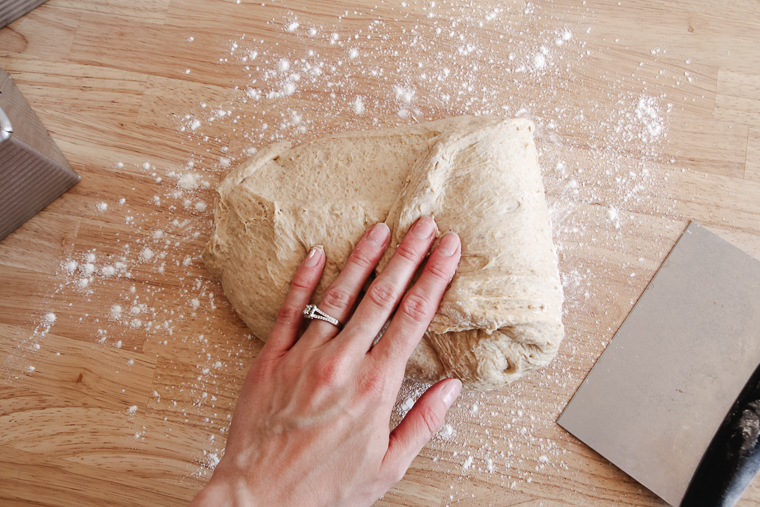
(478, 176)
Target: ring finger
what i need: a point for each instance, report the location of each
(341, 296)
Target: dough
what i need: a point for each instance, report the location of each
(502, 314)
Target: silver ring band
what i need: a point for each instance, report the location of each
(312, 312)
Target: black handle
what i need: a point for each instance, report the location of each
(733, 457)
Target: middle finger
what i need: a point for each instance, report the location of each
(388, 288)
(340, 298)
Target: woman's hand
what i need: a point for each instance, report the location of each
(311, 427)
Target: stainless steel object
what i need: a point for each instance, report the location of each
(6, 129)
(10, 10)
(33, 170)
(661, 390)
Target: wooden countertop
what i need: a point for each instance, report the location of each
(647, 113)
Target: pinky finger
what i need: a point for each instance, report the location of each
(285, 331)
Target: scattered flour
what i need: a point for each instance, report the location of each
(539, 61)
(403, 95)
(115, 312)
(188, 182)
(440, 67)
(358, 105)
(648, 113)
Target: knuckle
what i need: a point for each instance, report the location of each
(337, 297)
(408, 250)
(362, 259)
(431, 420)
(289, 314)
(438, 271)
(382, 294)
(301, 282)
(330, 371)
(373, 385)
(417, 307)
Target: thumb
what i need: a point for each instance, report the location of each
(422, 422)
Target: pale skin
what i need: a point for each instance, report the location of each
(311, 426)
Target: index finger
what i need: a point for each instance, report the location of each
(419, 305)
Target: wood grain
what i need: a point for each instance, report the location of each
(738, 96)
(753, 155)
(646, 114)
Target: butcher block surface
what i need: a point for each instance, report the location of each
(120, 358)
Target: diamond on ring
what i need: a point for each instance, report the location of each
(312, 312)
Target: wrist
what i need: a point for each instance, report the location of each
(224, 493)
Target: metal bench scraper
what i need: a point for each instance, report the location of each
(674, 400)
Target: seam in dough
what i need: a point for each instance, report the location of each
(478, 176)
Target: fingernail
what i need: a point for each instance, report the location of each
(313, 258)
(378, 234)
(450, 392)
(449, 244)
(424, 228)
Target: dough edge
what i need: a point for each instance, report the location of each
(490, 358)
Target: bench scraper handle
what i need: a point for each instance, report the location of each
(732, 459)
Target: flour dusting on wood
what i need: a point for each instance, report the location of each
(421, 61)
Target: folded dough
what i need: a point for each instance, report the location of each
(500, 317)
